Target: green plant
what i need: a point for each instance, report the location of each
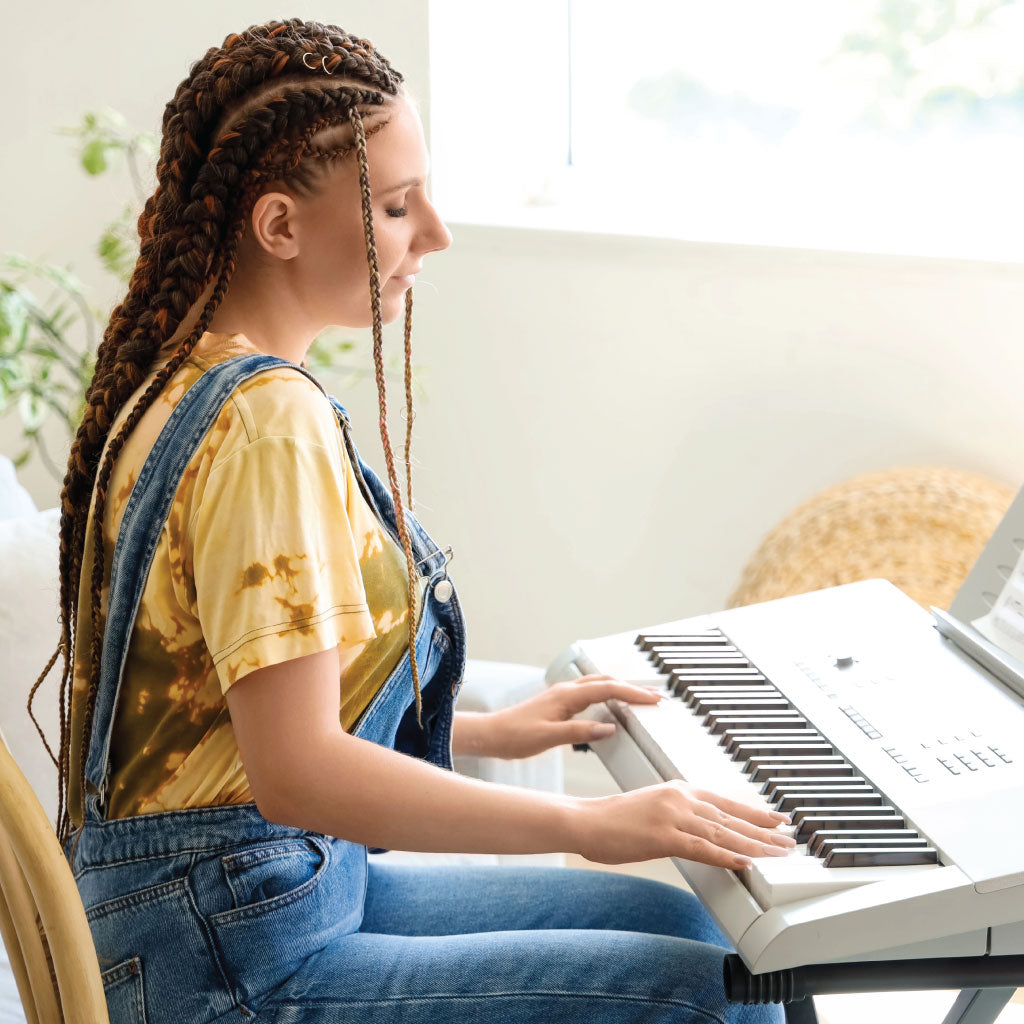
(48, 330)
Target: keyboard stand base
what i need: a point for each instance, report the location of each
(992, 981)
(978, 1005)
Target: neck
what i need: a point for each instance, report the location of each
(270, 317)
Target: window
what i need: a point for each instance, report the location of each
(866, 125)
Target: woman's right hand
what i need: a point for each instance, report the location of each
(673, 819)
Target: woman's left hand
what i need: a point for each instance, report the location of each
(546, 720)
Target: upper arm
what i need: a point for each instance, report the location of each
(282, 715)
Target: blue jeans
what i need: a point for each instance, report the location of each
(531, 944)
(218, 915)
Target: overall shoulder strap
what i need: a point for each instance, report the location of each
(430, 559)
(139, 533)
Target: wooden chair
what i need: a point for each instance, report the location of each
(42, 920)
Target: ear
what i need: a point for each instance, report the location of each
(274, 224)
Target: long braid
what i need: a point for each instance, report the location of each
(409, 413)
(184, 236)
(382, 400)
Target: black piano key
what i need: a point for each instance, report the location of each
(731, 736)
(880, 857)
(826, 846)
(797, 761)
(687, 684)
(692, 694)
(722, 722)
(772, 748)
(772, 787)
(703, 661)
(714, 636)
(812, 823)
(782, 770)
(716, 671)
(853, 798)
(814, 843)
(707, 705)
(683, 684)
(672, 650)
(798, 814)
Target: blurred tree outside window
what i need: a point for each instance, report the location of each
(892, 126)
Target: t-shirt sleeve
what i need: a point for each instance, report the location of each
(275, 563)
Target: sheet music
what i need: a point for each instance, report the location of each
(1004, 624)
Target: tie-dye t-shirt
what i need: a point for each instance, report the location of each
(269, 553)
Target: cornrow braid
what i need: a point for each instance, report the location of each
(190, 231)
(378, 363)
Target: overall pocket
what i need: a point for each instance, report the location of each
(266, 877)
(278, 903)
(122, 986)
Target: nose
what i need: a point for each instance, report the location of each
(435, 236)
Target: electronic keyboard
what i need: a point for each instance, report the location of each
(894, 738)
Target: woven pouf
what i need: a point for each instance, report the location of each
(920, 527)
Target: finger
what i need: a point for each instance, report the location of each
(719, 834)
(758, 815)
(695, 848)
(581, 730)
(582, 694)
(744, 828)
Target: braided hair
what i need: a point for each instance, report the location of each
(246, 115)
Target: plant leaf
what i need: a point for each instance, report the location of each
(94, 156)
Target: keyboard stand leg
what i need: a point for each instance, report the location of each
(978, 1005)
(801, 1012)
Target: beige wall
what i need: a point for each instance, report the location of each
(611, 424)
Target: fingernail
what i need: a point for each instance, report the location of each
(602, 729)
(782, 819)
(741, 864)
(781, 840)
(774, 851)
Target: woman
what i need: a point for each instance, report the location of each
(234, 558)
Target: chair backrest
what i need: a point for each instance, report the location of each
(42, 920)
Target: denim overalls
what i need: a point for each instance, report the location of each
(197, 914)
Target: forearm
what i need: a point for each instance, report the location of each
(472, 734)
(370, 794)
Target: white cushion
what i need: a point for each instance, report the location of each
(14, 499)
(29, 632)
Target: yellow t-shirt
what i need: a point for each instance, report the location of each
(269, 552)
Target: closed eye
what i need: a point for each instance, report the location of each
(401, 212)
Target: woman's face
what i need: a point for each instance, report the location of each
(328, 271)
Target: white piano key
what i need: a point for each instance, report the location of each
(774, 881)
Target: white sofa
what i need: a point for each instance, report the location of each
(29, 630)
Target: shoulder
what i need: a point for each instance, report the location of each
(283, 402)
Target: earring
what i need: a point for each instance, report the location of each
(304, 56)
(323, 62)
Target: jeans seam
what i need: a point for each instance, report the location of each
(538, 994)
(211, 945)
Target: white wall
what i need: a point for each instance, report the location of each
(611, 423)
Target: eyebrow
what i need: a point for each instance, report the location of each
(408, 183)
